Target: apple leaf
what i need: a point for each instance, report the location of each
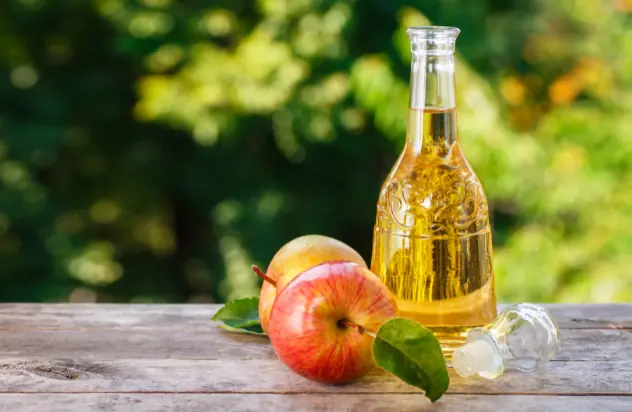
(241, 315)
(248, 329)
(412, 353)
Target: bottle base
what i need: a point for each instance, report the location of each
(450, 320)
(450, 338)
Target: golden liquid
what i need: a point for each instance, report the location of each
(432, 242)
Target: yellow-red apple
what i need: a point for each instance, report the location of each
(322, 322)
(295, 257)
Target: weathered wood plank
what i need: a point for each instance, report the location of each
(210, 342)
(30, 316)
(77, 316)
(177, 349)
(306, 402)
(270, 376)
(592, 316)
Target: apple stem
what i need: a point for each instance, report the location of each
(356, 327)
(262, 275)
(352, 325)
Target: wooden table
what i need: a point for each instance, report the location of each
(172, 358)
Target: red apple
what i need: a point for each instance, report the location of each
(293, 259)
(321, 321)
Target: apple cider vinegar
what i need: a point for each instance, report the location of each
(432, 242)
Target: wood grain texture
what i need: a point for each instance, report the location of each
(76, 316)
(172, 357)
(209, 342)
(171, 375)
(307, 402)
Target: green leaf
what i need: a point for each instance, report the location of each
(251, 330)
(241, 315)
(411, 352)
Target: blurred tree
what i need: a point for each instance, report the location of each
(151, 150)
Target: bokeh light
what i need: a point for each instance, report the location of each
(152, 150)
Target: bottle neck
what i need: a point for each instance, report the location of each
(432, 82)
(432, 119)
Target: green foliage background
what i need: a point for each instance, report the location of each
(150, 150)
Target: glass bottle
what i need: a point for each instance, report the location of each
(523, 337)
(432, 241)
